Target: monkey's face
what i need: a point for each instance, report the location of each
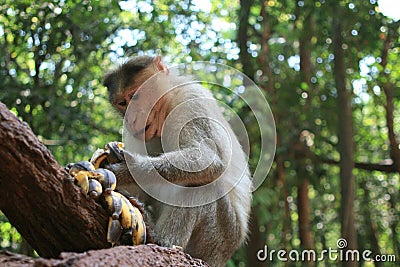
(139, 97)
(123, 98)
(147, 110)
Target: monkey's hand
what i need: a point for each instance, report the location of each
(116, 152)
(122, 173)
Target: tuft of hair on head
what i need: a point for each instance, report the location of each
(121, 76)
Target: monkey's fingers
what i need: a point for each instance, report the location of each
(137, 204)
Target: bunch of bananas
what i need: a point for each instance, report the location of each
(125, 219)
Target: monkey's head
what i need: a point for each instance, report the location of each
(123, 83)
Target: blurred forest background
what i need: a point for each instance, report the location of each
(329, 69)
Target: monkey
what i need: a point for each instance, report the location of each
(189, 144)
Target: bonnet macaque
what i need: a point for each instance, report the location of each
(192, 147)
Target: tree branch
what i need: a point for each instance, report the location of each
(146, 256)
(39, 197)
(383, 167)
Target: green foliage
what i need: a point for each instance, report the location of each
(10, 239)
(53, 57)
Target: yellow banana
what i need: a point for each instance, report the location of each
(112, 153)
(139, 228)
(99, 157)
(131, 218)
(126, 220)
(82, 180)
(113, 204)
(74, 168)
(107, 179)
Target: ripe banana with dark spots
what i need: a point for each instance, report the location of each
(99, 158)
(74, 168)
(95, 189)
(81, 172)
(107, 180)
(112, 153)
(113, 203)
(114, 231)
(131, 218)
(126, 223)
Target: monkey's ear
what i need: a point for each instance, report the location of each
(159, 64)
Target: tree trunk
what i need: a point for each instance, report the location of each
(144, 256)
(345, 134)
(243, 27)
(390, 93)
(304, 217)
(40, 199)
(372, 227)
(304, 206)
(255, 242)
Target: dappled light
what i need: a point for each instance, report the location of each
(330, 71)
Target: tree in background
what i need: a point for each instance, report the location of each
(329, 71)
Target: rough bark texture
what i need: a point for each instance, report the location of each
(40, 199)
(145, 256)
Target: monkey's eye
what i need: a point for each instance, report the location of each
(135, 96)
(122, 103)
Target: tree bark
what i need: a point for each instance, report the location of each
(40, 199)
(144, 255)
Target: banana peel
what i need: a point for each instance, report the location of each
(112, 153)
(99, 183)
(129, 218)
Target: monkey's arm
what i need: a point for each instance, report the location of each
(190, 166)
